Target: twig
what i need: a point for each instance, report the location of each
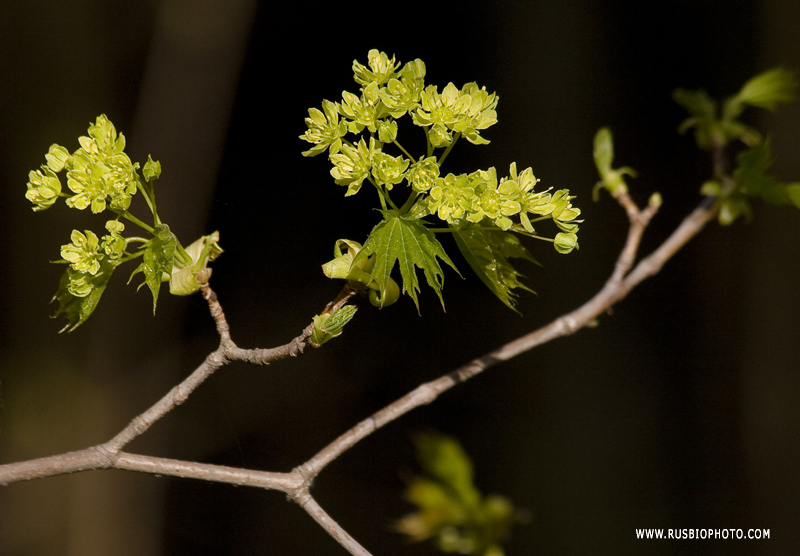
(616, 288)
(296, 484)
(108, 454)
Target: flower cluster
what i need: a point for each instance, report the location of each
(478, 197)
(88, 256)
(358, 131)
(387, 93)
(99, 173)
(102, 177)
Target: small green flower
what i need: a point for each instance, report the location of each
(85, 179)
(402, 95)
(492, 201)
(44, 188)
(451, 197)
(57, 157)
(363, 111)
(324, 129)
(388, 170)
(423, 174)
(564, 215)
(477, 114)
(80, 283)
(100, 173)
(114, 244)
(381, 69)
(439, 112)
(103, 138)
(83, 253)
(464, 111)
(352, 164)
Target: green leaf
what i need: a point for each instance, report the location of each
(488, 252)
(752, 177)
(702, 116)
(443, 458)
(793, 192)
(76, 309)
(768, 89)
(406, 242)
(450, 509)
(157, 261)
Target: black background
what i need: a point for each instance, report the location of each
(679, 411)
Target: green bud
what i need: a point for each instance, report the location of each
(387, 131)
(423, 174)
(565, 243)
(152, 169)
(327, 327)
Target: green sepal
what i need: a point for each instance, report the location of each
(77, 309)
(488, 252)
(327, 327)
(357, 272)
(152, 169)
(157, 260)
(340, 267)
(186, 277)
(406, 242)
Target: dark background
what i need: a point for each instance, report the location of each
(679, 411)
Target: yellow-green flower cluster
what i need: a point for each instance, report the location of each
(465, 111)
(99, 173)
(359, 131)
(86, 255)
(478, 196)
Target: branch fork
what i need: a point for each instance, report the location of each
(297, 483)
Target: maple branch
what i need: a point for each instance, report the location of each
(296, 484)
(617, 287)
(109, 454)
